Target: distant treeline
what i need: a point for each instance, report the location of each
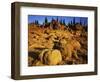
(62, 21)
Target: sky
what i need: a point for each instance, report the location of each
(41, 19)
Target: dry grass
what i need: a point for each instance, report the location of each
(62, 46)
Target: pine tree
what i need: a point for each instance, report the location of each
(80, 21)
(84, 23)
(64, 22)
(57, 19)
(35, 21)
(46, 20)
(74, 21)
(52, 19)
(71, 23)
(61, 22)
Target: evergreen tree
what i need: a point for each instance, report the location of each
(74, 21)
(46, 20)
(71, 23)
(80, 21)
(61, 22)
(52, 19)
(84, 23)
(64, 22)
(35, 22)
(57, 19)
